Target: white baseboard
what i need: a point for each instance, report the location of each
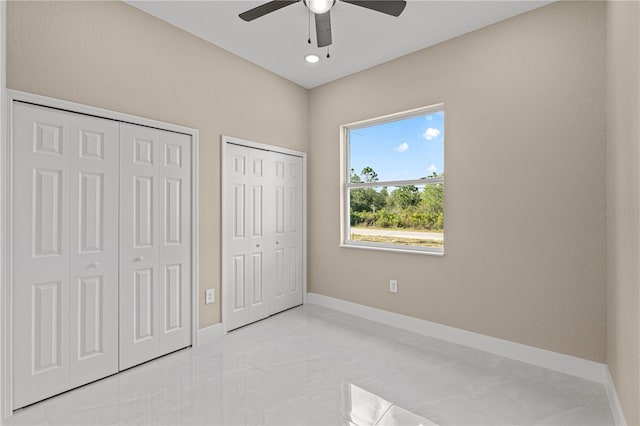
(614, 402)
(567, 364)
(209, 333)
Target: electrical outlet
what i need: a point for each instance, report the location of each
(393, 286)
(210, 296)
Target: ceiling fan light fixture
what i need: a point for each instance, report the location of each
(319, 6)
(311, 58)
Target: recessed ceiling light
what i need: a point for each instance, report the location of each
(312, 59)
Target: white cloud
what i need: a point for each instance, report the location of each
(431, 133)
(402, 147)
(432, 169)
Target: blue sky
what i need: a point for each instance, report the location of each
(405, 149)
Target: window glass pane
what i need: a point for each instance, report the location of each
(405, 149)
(410, 215)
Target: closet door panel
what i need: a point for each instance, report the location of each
(175, 241)
(237, 235)
(248, 249)
(287, 187)
(40, 253)
(294, 220)
(259, 246)
(155, 243)
(94, 180)
(139, 276)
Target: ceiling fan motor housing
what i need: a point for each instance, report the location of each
(319, 6)
(321, 10)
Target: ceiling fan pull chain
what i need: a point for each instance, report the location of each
(309, 27)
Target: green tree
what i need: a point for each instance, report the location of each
(433, 198)
(405, 207)
(369, 175)
(433, 205)
(404, 197)
(366, 201)
(353, 177)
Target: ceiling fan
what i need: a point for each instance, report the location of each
(322, 9)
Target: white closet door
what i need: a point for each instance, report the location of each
(287, 219)
(63, 332)
(248, 247)
(40, 253)
(93, 217)
(175, 242)
(139, 207)
(263, 237)
(155, 244)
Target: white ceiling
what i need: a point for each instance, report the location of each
(361, 38)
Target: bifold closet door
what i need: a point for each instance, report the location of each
(286, 193)
(65, 251)
(155, 243)
(263, 239)
(248, 236)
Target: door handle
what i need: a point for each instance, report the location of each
(95, 264)
(139, 259)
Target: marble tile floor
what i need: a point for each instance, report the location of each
(315, 366)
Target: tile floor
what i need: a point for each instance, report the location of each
(315, 366)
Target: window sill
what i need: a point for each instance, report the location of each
(396, 249)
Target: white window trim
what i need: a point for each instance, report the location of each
(346, 184)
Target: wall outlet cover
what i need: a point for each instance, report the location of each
(210, 296)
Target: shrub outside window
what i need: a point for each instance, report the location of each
(393, 182)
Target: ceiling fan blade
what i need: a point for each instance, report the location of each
(323, 29)
(390, 7)
(264, 9)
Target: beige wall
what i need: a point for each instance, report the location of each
(111, 55)
(623, 202)
(525, 191)
(525, 154)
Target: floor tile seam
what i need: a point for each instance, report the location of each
(436, 402)
(509, 404)
(46, 415)
(418, 411)
(275, 380)
(512, 397)
(391, 404)
(303, 360)
(333, 411)
(431, 404)
(570, 410)
(565, 392)
(300, 392)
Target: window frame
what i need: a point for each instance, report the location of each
(346, 185)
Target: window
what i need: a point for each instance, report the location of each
(393, 182)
